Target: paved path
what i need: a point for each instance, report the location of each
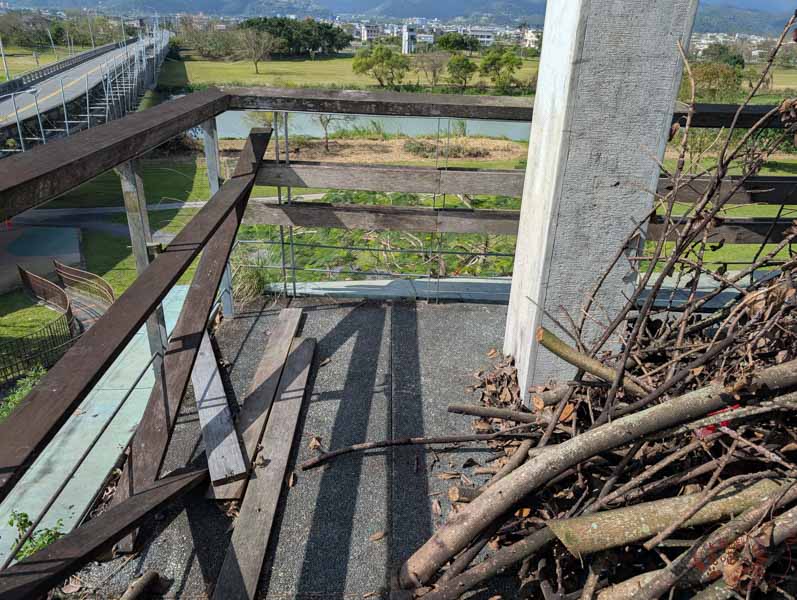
(51, 467)
(49, 91)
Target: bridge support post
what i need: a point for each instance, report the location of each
(140, 237)
(608, 79)
(211, 139)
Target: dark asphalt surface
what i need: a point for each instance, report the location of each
(393, 369)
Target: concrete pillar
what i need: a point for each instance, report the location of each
(609, 76)
(140, 237)
(211, 139)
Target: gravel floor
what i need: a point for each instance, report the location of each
(392, 370)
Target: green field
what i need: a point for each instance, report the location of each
(322, 72)
(20, 315)
(20, 60)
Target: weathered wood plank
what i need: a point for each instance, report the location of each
(240, 571)
(153, 434)
(492, 222)
(25, 432)
(419, 180)
(387, 178)
(258, 402)
(735, 231)
(223, 450)
(499, 108)
(32, 178)
(36, 575)
(349, 216)
(721, 115)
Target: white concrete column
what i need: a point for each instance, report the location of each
(140, 237)
(609, 76)
(211, 139)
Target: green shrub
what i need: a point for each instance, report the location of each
(38, 539)
(428, 149)
(21, 389)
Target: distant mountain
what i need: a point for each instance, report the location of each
(764, 17)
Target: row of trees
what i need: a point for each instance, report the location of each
(259, 39)
(30, 30)
(390, 68)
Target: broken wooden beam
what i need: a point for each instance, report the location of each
(40, 572)
(222, 448)
(262, 391)
(240, 572)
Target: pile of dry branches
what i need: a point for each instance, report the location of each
(665, 466)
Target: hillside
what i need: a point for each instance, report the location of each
(732, 16)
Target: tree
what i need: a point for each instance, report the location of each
(257, 46)
(500, 64)
(326, 121)
(432, 65)
(722, 53)
(452, 42)
(384, 64)
(714, 82)
(460, 70)
(306, 37)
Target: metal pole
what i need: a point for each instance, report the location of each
(275, 120)
(290, 199)
(52, 43)
(91, 33)
(39, 116)
(5, 64)
(63, 102)
(107, 88)
(19, 124)
(88, 103)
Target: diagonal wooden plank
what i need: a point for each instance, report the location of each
(36, 575)
(240, 571)
(223, 450)
(153, 434)
(252, 419)
(31, 426)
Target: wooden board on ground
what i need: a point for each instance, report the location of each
(36, 575)
(252, 419)
(241, 569)
(222, 448)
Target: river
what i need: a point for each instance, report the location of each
(236, 124)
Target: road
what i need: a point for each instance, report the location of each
(49, 91)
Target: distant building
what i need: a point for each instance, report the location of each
(425, 38)
(409, 39)
(531, 38)
(369, 32)
(486, 36)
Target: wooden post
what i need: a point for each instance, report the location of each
(140, 237)
(211, 139)
(608, 79)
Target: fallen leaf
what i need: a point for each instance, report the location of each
(315, 443)
(325, 362)
(292, 480)
(72, 586)
(371, 595)
(732, 573)
(436, 508)
(496, 597)
(446, 475)
(523, 513)
(377, 536)
(492, 353)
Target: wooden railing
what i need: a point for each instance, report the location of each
(34, 178)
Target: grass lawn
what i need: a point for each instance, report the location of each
(337, 72)
(20, 60)
(784, 78)
(20, 315)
